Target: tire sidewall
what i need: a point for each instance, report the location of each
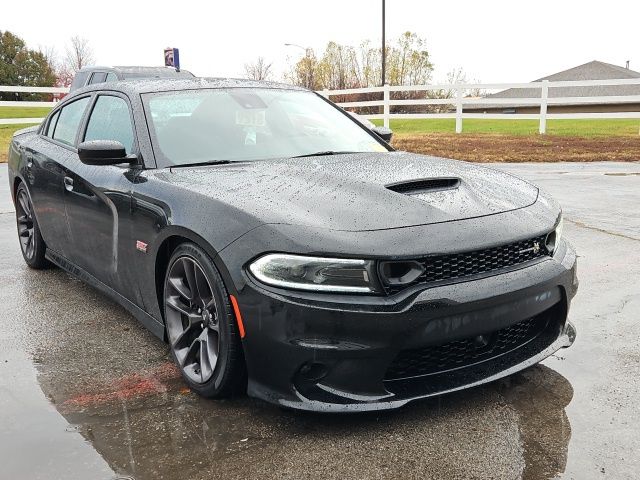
(38, 260)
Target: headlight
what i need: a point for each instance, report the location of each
(553, 239)
(315, 273)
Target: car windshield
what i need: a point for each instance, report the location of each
(246, 124)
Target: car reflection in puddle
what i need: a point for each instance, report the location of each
(151, 426)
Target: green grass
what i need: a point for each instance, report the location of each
(24, 112)
(6, 131)
(579, 128)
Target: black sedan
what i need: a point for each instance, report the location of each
(282, 248)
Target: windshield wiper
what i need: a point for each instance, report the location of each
(200, 164)
(321, 154)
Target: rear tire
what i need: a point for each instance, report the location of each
(201, 328)
(32, 245)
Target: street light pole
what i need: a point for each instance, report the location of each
(384, 46)
(307, 55)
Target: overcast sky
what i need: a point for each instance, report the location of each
(493, 41)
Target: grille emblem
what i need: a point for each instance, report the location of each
(534, 249)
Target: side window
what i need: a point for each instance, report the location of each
(52, 124)
(97, 77)
(111, 77)
(69, 120)
(111, 120)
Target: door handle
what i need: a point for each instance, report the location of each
(68, 184)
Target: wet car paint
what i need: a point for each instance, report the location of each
(86, 392)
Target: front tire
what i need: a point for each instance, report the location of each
(200, 323)
(32, 244)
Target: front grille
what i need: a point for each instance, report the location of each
(460, 265)
(464, 353)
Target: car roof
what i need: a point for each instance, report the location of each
(138, 70)
(151, 85)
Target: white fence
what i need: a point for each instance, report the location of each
(459, 100)
(13, 89)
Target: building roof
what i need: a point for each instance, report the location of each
(594, 70)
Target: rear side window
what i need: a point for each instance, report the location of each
(111, 77)
(52, 124)
(69, 121)
(97, 77)
(111, 120)
(79, 80)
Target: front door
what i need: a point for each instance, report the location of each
(98, 201)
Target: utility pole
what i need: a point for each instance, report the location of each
(384, 47)
(309, 74)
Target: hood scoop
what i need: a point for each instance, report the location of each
(425, 185)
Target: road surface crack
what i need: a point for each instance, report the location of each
(602, 230)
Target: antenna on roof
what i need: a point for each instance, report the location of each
(628, 61)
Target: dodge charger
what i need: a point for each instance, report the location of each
(283, 249)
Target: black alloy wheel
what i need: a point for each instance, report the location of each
(200, 324)
(31, 243)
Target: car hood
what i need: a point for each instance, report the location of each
(350, 192)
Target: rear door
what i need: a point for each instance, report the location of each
(46, 157)
(98, 198)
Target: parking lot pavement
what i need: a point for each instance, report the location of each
(87, 393)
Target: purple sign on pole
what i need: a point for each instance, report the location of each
(172, 58)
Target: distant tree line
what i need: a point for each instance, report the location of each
(339, 67)
(22, 66)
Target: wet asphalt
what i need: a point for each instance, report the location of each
(87, 393)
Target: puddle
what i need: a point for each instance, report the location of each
(518, 424)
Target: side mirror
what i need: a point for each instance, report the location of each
(383, 132)
(103, 152)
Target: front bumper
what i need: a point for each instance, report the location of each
(334, 352)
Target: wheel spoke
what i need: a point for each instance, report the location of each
(190, 275)
(179, 285)
(204, 290)
(181, 334)
(210, 305)
(213, 337)
(205, 365)
(175, 304)
(187, 356)
(24, 203)
(28, 244)
(208, 354)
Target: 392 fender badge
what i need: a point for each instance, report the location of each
(140, 245)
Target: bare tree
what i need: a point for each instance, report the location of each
(79, 54)
(50, 54)
(258, 70)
